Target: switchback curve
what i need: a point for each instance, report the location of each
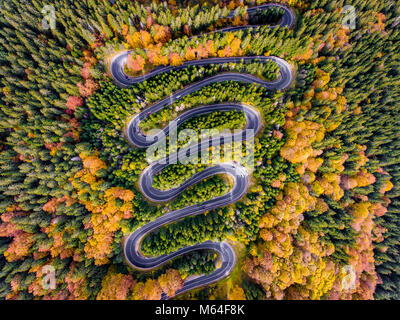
(238, 173)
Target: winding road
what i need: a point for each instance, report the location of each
(238, 173)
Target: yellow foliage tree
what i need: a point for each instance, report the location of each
(105, 218)
(236, 293)
(115, 286)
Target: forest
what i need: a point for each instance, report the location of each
(319, 219)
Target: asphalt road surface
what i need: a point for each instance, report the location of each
(238, 173)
